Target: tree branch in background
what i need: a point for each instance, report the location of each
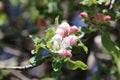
(18, 67)
(110, 3)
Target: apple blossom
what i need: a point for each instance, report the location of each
(65, 43)
(63, 40)
(64, 26)
(72, 39)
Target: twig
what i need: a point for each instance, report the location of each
(18, 67)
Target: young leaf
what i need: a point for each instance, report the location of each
(37, 47)
(56, 21)
(75, 64)
(49, 33)
(35, 38)
(57, 64)
(37, 60)
(49, 44)
(39, 43)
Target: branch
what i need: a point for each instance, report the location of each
(110, 3)
(18, 67)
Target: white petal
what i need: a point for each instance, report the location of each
(65, 43)
(57, 38)
(64, 25)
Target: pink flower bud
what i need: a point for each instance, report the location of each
(83, 14)
(99, 16)
(73, 39)
(68, 53)
(62, 32)
(107, 18)
(62, 52)
(73, 29)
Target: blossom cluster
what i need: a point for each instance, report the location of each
(64, 39)
(99, 16)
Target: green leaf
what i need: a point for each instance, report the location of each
(117, 15)
(37, 60)
(56, 21)
(49, 45)
(37, 47)
(57, 63)
(83, 46)
(39, 43)
(35, 38)
(90, 2)
(49, 33)
(75, 64)
(109, 45)
(101, 1)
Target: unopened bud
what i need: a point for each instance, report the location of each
(83, 14)
(73, 29)
(107, 18)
